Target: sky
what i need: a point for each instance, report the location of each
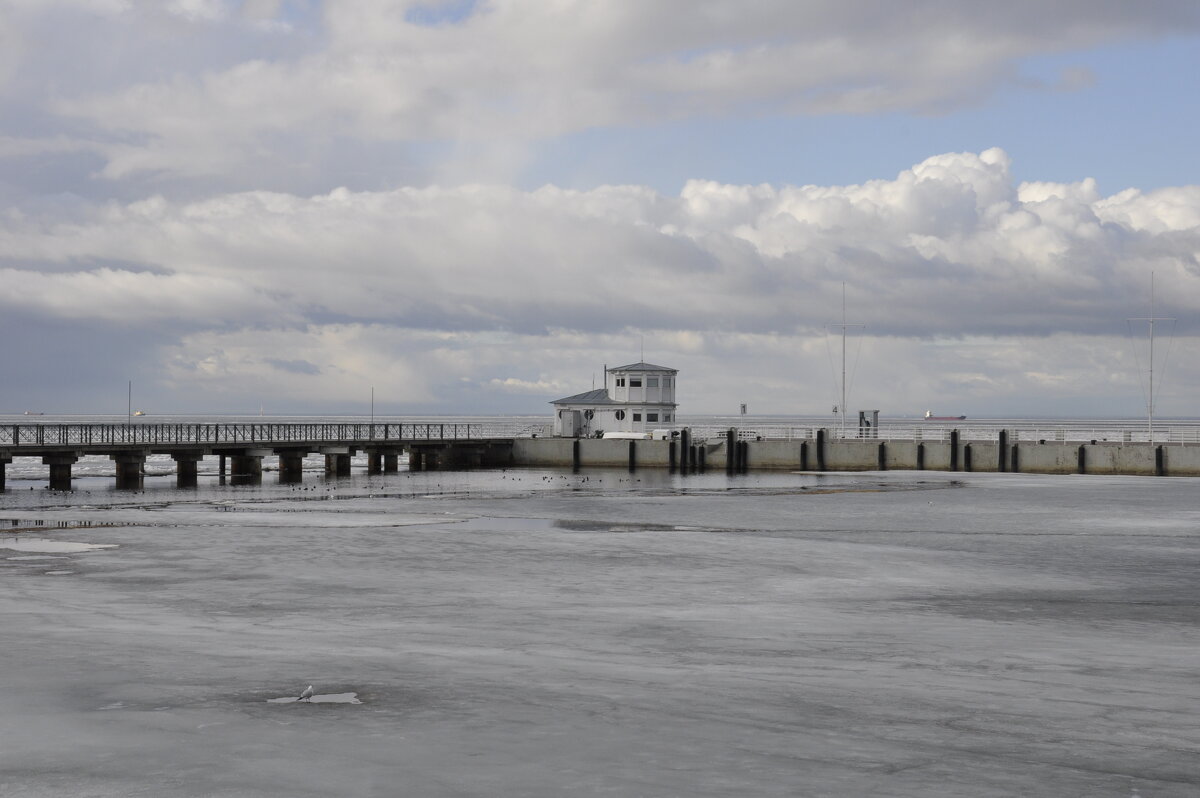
(473, 206)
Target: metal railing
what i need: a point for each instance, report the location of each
(967, 433)
(84, 435)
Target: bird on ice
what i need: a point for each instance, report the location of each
(307, 694)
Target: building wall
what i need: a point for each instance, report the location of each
(656, 386)
(636, 418)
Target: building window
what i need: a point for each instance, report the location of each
(635, 382)
(666, 417)
(637, 416)
(666, 382)
(620, 415)
(620, 382)
(652, 416)
(652, 382)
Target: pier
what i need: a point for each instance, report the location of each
(242, 448)
(978, 448)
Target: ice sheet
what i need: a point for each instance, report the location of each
(912, 635)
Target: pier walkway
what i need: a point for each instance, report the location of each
(428, 445)
(241, 447)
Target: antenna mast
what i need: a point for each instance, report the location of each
(844, 326)
(1151, 319)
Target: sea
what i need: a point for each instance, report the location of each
(535, 632)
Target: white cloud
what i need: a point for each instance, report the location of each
(948, 247)
(198, 10)
(977, 285)
(520, 70)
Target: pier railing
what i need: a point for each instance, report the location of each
(18, 435)
(966, 433)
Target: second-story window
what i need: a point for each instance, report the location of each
(652, 382)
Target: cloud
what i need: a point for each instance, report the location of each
(490, 291)
(252, 91)
(951, 246)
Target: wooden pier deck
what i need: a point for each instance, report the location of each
(428, 445)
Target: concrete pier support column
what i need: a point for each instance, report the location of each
(391, 463)
(575, 454)
(703, 453)
(1160, 462)
(5, 459)
(633, 455)
(1016, 458)
(337, 461)
(60, 470)
(803, 455)
(821, 435)
(671, 457)
(731, 451)
(920, 456)
(187, 466)
(1002, 451)
(337, 465)
(953, 450)
(881, 457)
(374, 463)
(130, 469)
(221, 468)
(246, 467)
(291, 466)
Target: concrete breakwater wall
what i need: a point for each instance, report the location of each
(825, 453)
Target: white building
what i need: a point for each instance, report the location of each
(636, 398)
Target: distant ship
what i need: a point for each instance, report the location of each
(139, 412)
(929, 416)
(34, 413)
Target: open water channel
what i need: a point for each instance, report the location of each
(539, 633)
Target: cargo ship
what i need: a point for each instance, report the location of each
(929, 416)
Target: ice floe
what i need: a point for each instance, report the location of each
(45, 546)
(331, 698)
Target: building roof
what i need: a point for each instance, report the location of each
(596, 397)
(644, 367)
